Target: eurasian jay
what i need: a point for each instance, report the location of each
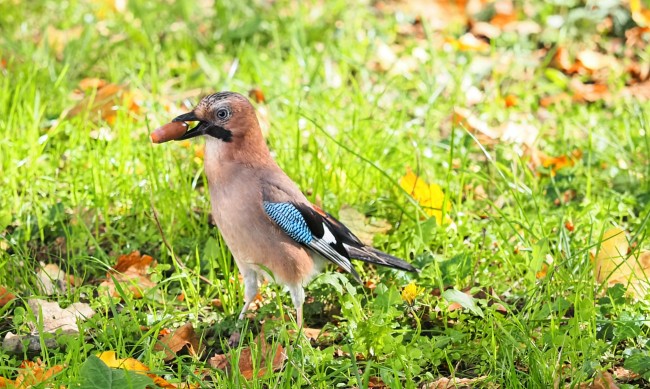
(265, 220)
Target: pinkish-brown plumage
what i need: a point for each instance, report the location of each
(266, 221)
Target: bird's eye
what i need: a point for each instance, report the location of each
(223, 113)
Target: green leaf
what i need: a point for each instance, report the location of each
(466, 301)
(95, 374)
(640, 364)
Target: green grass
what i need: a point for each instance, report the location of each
(345, 132)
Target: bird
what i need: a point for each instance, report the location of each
(265, 220)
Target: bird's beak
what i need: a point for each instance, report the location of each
(199, 129)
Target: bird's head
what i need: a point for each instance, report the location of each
(224, 115)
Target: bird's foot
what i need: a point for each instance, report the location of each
(234, 339)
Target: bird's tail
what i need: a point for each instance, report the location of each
(372, 255)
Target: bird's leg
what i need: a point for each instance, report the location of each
(250, 291)
(298, 298)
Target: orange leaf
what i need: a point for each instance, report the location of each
(5, 296)
(131, 271)
(105, 102)
(183, 337)
(35, 373)
(245, 364)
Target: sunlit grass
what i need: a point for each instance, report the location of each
(346, 131)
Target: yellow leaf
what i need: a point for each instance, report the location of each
(614, 266)
(640, 15)
(111, 360)
(429, 196)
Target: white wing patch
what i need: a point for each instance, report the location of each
(327, 235)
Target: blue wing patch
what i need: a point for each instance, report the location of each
(289, 218)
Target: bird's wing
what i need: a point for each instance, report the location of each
(315, 229)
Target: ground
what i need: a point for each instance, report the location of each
(501, 147)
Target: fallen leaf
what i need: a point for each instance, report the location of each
(111, 360)
(592, 61)
(557, 163)
(5, 296)
(468, 42)
(455, 383)
(32, 374)
(52, 280)
(640, 15)
(603, 380)
(131, 272)
(429, 196)
(53, 318)
(92, 83)
(105, 102)
(57, 39)
(614, 265)
(588, 92)
(376, 382)
(640, 91)
(437, 14)
(363, 227)
(517, 132)
(183, 337)
(246, 364)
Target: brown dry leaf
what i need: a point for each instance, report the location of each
(589, 92)
(183, 337)
(562, 60)
(437, 14)
(53, 280)
(131, 271)
(57, 39)
(54, 318)
(511, 131)
(376, 382)
(613, 265)
(625, 375)
(111, 360)
(105, 103)
(640, 91)
(592, 61)
(31, 374)
(456, 383)
(245, 364)
(5, 296)
(311, 333)
(603, 380)
(92, 83)
(364, 228)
